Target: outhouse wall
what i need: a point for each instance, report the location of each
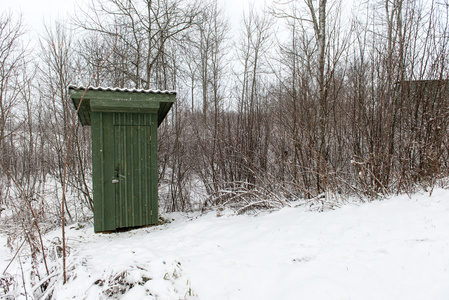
(124, 153)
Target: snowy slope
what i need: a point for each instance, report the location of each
(392, 249)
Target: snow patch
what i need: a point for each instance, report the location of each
(391, 249)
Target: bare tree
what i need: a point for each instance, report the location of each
(143, 29)
(11, 64)
(314, 70)
(253, 122)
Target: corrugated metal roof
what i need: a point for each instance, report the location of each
(111, 89)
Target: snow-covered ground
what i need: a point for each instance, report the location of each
(392, 249)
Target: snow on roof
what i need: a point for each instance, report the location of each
(111, 89)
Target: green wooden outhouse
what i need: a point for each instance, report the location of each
(124, 152)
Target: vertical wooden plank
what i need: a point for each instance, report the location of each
(135, 184)
(109, 171)
(118, 156)
(97, 170)
(141, 195)
(124, 173)
(131, 177)
(124, 166)
(124, 182)
(153, 168)
(128, 166)
(146, 171)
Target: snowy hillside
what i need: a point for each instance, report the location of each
(392, 249)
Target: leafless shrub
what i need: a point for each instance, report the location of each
(243, 197)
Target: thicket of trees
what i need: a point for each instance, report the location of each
(301, 102)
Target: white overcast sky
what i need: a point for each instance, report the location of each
(35, 12)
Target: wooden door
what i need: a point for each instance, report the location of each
(135, 175)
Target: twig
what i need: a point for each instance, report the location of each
(23, 280)
(12, 259)
(42, 281)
